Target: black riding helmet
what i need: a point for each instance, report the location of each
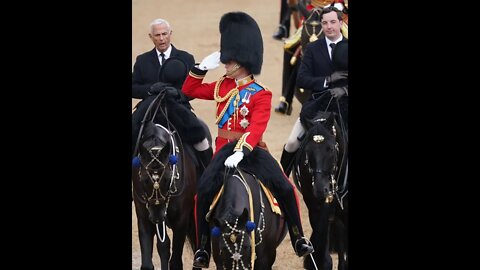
(173, 71)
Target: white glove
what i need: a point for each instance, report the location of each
(233, 160)
(210, 62)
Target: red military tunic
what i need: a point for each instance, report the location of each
(250, 114)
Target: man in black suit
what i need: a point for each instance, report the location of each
(317, 73)
(146, 82)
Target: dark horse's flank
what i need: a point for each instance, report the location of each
(320, 174)
(232, 242)
(164, 189)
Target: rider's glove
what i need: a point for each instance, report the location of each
(233, 160)
(210, 62)
(157, 87)
(336, 76)
(338, 92)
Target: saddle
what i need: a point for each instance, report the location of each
(274, 206)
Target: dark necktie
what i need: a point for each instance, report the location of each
(332, 45)
(162, 59)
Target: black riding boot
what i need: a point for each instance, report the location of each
(287, 161)
(300, 244)
(205, 157)
(280, 33)
(288, 202)
(284, 107)
(201, 258)
(289, 77)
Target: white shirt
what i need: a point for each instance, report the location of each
(330, 52)
(167, 54)
(329, 42)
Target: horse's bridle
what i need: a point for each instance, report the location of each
(234, 231)
(156, 174)
(334, 173)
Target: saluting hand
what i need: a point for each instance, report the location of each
(210, 62)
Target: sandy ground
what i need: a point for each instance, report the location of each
(195, 29)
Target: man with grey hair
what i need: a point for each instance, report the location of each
(146, 82)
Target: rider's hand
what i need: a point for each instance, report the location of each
(233, 160)
(172, 91)
(336, 76)
(157, 87)
(338, 92)
(210, 62)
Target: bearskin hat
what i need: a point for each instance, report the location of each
(241, 41)
(173, 71)
(340, 56)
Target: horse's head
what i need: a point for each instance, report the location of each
(156, 158)
(322, 155)
(232, 224)
(235, 242)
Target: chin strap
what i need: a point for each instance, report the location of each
(233, 70)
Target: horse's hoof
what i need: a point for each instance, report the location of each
(303, 247)
(201, 259)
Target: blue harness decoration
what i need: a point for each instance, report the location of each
(251, 90)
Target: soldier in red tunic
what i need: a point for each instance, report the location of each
(243, 111)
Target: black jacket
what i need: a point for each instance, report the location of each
(146, 70)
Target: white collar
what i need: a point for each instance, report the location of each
(336, 41)
(167, 52)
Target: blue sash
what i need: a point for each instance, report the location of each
(252, 89)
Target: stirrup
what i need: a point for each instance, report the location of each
(303, 249)
(201, 259)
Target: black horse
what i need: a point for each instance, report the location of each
(246, 230)
(320, 173)
(164, 189)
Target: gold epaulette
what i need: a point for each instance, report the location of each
(263, 85)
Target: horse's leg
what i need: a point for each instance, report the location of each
(179, 236)
(191, 234)
(320, 224)
(216, 253)
(163, 248)
(146, 232)
(341, 239)
(269, 251)
(145, 229)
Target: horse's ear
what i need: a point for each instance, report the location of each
(242, 220)
(330, 120)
